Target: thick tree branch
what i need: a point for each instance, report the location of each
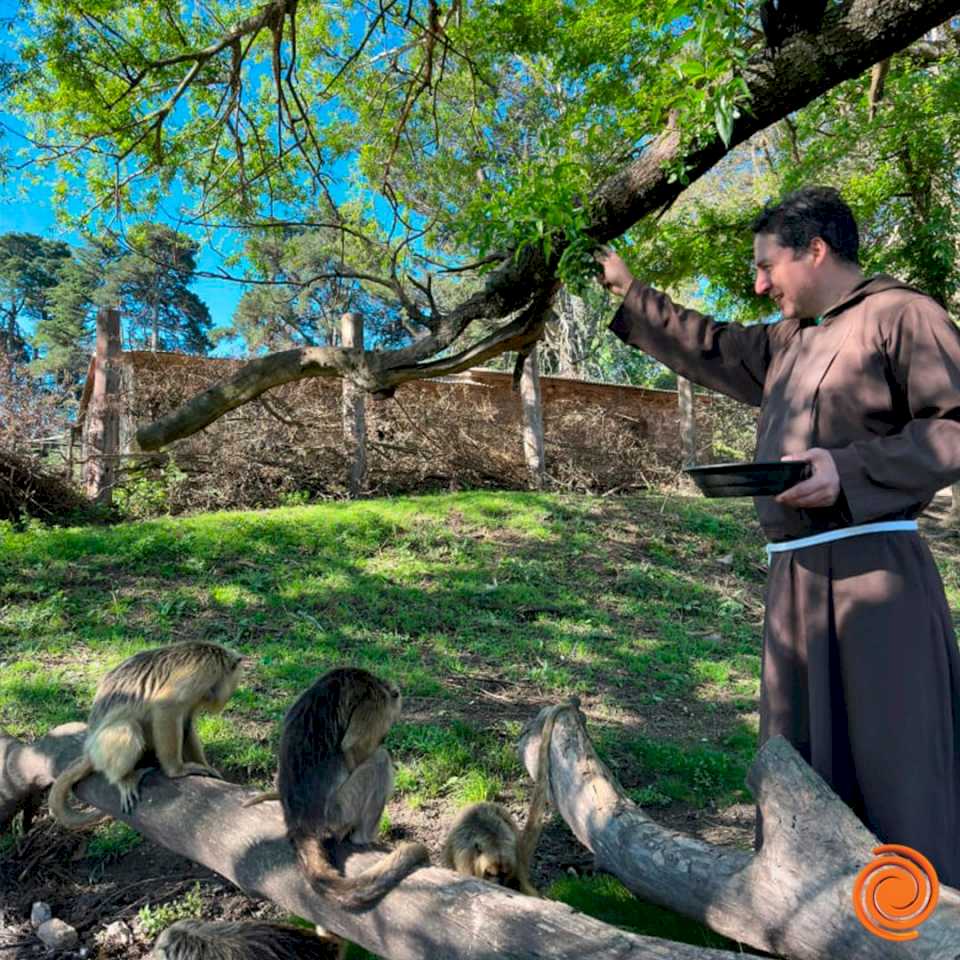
(433, 913)
(851, 40)
(792, 899)
(364, 369)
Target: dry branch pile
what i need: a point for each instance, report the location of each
(429, 435)
(28, 488)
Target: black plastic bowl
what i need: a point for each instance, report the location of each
(748, 479)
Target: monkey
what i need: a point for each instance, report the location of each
(249, 940)
(334, 780)
(484, 841)
(781, 19)
(149, 702)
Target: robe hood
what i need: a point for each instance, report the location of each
(879, 283)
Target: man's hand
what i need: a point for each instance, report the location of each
(819, 490)
(616, 276)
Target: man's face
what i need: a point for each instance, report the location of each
(786, 276)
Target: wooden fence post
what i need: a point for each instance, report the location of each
(533, 451)
(103, 420)
(688, 423)
(354, 408)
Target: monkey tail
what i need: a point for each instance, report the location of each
(383, 876)
(370, 885)
(261, 798)
(541, 789)
(59, 802)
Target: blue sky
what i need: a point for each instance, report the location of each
(27, 209)
(33, 213)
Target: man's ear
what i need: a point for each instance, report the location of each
(819, 250)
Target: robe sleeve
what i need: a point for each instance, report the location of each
(726, 357)
(888, 475)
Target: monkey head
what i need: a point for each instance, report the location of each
(495, 865)
(226, 684)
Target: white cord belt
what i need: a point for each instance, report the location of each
(884, 526)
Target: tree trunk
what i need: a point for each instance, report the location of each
(953, 516)
(433, 913)
(354, 408)
(792, 899)
(688, 424)
(103, 420)
(533, 451)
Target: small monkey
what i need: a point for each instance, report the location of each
(335, 778)
(484, 841)
(147, 703)
(250, 940)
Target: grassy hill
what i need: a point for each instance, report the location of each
(482, 606)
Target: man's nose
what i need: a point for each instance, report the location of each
(762, 283)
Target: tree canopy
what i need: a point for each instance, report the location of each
(29, 268)
(453, 161)
(893, 157)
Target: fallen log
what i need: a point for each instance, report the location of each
(793, 898)
(433, 913)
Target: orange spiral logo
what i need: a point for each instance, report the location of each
(896, 892)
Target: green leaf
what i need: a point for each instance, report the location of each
(692, 68)
(723, 120)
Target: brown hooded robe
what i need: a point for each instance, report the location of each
(861, 671)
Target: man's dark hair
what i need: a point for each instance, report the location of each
(812, 212)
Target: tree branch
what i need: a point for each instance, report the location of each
(432, 913)
(792, 899)
(851, 39)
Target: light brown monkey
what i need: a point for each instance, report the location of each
(335, 778)
(484, 840)
(249, 940)
(147, 703)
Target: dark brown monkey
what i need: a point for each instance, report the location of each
(484, 840)
(147, 703)
(250, 940)
(335, 779)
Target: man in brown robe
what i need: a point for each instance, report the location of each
(860, 378)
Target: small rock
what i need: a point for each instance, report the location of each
(116, 934)
(40, 912)
(572, 872)
(726, 560)
(57, 935)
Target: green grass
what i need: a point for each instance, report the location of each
(111, 841)
(154, 919)
(607, 899)
(482, 606)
